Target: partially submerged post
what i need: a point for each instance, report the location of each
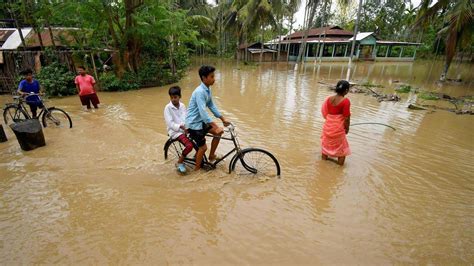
(29, 134)
(3, 136)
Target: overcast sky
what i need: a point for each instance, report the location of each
(300, 13)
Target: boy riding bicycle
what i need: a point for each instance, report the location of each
(198, 121)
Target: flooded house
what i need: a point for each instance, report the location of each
(334, 43)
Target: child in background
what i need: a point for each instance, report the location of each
(85, 87)
(175, 114)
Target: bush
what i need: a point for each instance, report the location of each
(57, 80)
(110, 82)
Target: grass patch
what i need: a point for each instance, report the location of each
(404, 89)
(371, 85)
(428, 96)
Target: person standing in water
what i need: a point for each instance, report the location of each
(336, 111)
(85, 85)
(30, 88)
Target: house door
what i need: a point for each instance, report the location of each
(366, 52)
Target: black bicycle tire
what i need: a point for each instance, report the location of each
(17, 109)
(51, 109)
(169, 144)
(241, 156)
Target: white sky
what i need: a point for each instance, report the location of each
(300, 14)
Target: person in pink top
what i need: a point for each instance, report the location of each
(85, 87)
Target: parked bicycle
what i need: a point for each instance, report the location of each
(253, 161)
(50, 116)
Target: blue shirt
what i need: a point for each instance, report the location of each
(197, 114)
(27, 87)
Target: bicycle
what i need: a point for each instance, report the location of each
(50, 116)
(255, 161)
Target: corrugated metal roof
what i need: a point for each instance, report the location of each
(328, 31)
(316, 40)
(62, 37)
(4, 34)
(398, 43)
(361, 35)
(13, 41)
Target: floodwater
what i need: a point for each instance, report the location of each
(102, 193)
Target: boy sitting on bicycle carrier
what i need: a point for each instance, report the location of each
(175, 113)
(27, 86)
(198, 121)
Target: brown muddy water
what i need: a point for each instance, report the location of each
(102, 193)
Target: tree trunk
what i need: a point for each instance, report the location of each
(246, 50)
(40, 38)
(451, 44)
(171, 58)
(29, 134)
(51, 34)
(279, 38)
(118, 57)
(261, 49)
(309, 22)
(356, 28)
(289, 32)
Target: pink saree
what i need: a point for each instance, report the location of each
(333, 137)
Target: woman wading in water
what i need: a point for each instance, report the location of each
(336, 111)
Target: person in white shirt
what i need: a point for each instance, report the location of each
(175, 114)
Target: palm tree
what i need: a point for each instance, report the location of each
(458, 26)
(310, 11)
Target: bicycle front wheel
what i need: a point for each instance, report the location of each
(56, 118)
(13, 114)
(255, 162)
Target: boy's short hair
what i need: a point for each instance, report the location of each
(205, 70)
(26, 72)
(342, 86)
(175, 90)
(81, 67)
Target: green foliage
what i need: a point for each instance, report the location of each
(404, 89)
(428, 96)
(57, 80)
(371, 85)
(110, 82)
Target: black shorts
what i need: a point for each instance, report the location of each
(86, 100)
(199, 136)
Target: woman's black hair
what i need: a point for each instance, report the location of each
(204, 71)
(342, 86)
(175, 90)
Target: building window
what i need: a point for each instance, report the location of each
(340, 50)
(382, 50)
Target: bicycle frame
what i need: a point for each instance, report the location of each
(21, 106)
(236, 149)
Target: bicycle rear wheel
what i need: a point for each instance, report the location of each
(255, 162)
(56, 118)
(174, 149)
(12, 114)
